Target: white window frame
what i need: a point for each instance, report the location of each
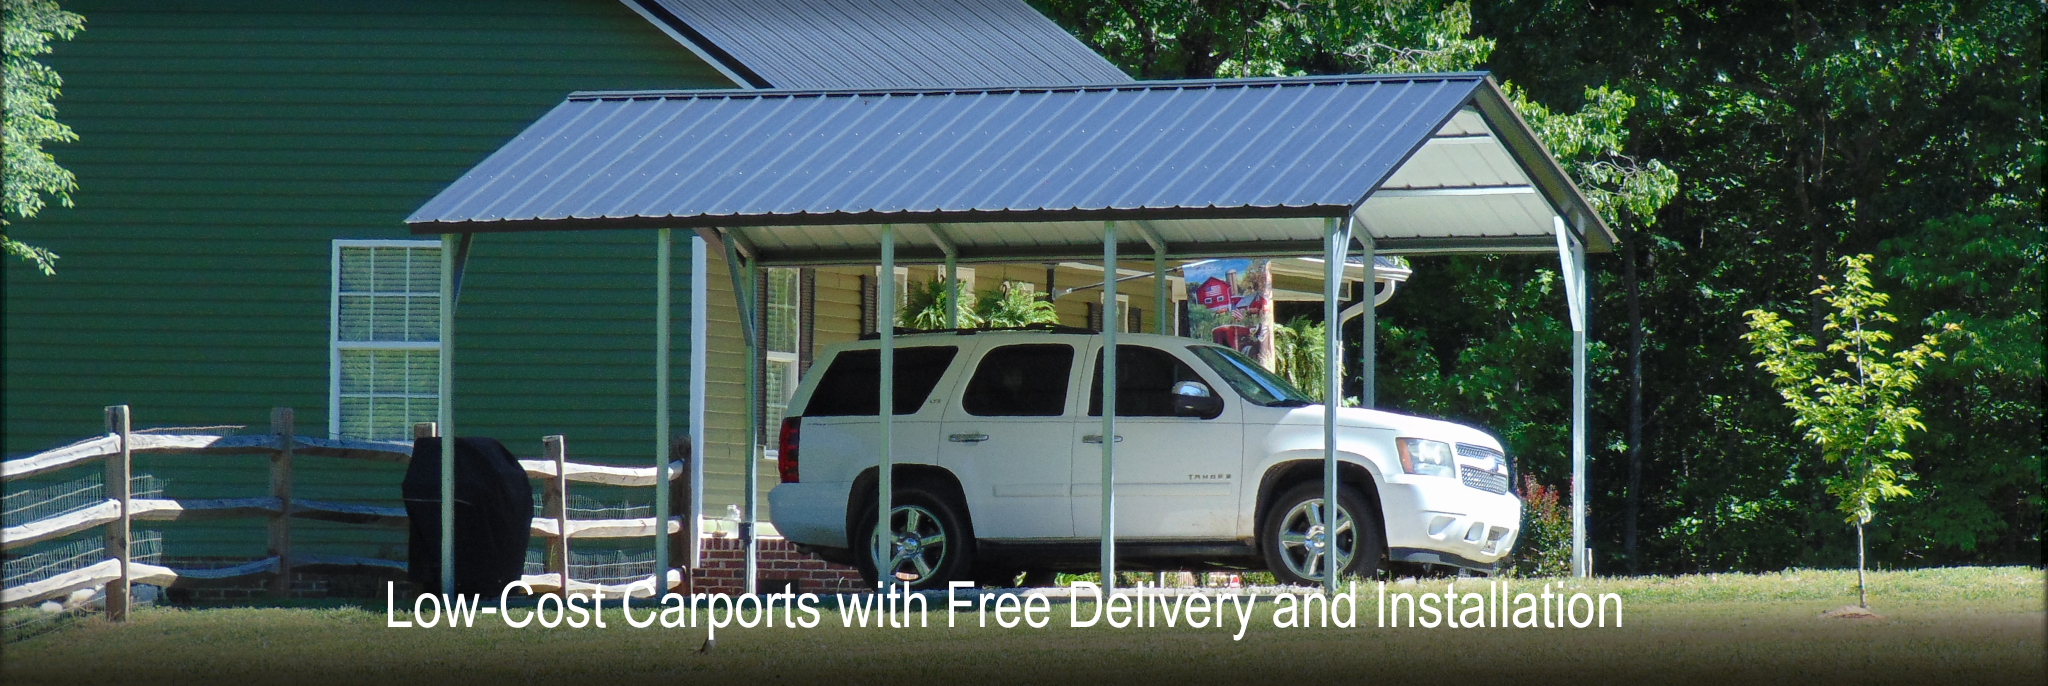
(793, 358)
(334, 343)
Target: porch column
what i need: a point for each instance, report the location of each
(1108, 381)
(952, 291)
(1336, 238)
(885, 411)
(700, 366)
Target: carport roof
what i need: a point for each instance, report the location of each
(1426, 163)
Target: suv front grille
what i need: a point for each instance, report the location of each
(1489, 481)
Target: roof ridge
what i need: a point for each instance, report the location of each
(688, 94)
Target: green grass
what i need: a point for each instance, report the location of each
(1941, 626)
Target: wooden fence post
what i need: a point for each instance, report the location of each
(282, 427)
(556, 502)
(117, 486)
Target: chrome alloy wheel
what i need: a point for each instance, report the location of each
(1303, 545)
(916, 545)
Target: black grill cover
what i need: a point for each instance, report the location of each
(493, 515)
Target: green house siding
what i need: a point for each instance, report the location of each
(223, 146)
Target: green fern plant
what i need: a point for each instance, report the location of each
(1007, 307)
(924, 307)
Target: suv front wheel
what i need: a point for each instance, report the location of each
(928, 545)
(1292, 540)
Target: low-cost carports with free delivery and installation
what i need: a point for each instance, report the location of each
(1422, 164)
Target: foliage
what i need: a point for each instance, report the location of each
(1006, 307)
(1739, 150)
(924, 307)
(1854, 408)
(1298, 353)
(1544, 548)
(30, 26)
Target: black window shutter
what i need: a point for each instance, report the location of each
(807, 315)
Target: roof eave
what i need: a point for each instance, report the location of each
(1544, 172)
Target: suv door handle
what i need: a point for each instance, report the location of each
(1097, 438)
(967, 438)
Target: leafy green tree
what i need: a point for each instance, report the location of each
(1852, 396)
(924, 307)
(1299, 347)
(32, 173)
(1006, 307)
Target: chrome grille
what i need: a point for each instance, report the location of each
(1491, 482)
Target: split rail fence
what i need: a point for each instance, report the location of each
(117, 513)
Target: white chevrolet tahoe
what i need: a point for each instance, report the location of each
(997, 452)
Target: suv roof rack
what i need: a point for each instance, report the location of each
(1040, 328)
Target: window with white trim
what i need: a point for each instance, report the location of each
(784, 334)
(385, 329)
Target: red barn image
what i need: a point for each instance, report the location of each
(1214, 293)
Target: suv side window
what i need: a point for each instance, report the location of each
(1027, 380)
(850, 387)
(1144, 384)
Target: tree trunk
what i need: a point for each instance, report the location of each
(1635, 404)
(1862, 598)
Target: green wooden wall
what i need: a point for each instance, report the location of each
(224, 144)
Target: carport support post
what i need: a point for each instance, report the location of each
(1369, 322)
(885, 409)
(1336, 238)
(664, 250)
(742, 274)
(1108, 381)
(445, 419)
(1159, 301)
(952, 291)
(1582, 303)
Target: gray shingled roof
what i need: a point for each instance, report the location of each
(1240, 166)
(886, 43)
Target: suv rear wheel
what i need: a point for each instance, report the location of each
(1292, 539)
(929, 542)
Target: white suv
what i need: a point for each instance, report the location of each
(997, 451)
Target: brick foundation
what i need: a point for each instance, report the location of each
(725, 562)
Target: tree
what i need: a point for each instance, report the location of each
(1851, 397)
(32, 120)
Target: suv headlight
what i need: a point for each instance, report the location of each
(1426, 457)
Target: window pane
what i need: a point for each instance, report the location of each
(355, 417)
(1144, 382)
(424, 274)
(353, 322)
(782, 310)
(387, 418)
(355, 269)
(850, 386)
(387, 318)
(355, 371)
(781, 383)
(1021, 381)
(387, 268)
(423, 373)
(423, 318)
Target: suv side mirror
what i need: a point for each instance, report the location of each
(1194, 399)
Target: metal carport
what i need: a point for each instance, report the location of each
(1401, 164)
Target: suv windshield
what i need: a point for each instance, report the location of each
(1258, 386)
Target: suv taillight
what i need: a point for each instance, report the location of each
(785, 449)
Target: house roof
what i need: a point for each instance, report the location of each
(1425, 163)
(883, 43)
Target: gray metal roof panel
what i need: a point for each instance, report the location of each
(1211, 150)
(891, 43)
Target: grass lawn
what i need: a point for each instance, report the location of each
(1970, 625)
